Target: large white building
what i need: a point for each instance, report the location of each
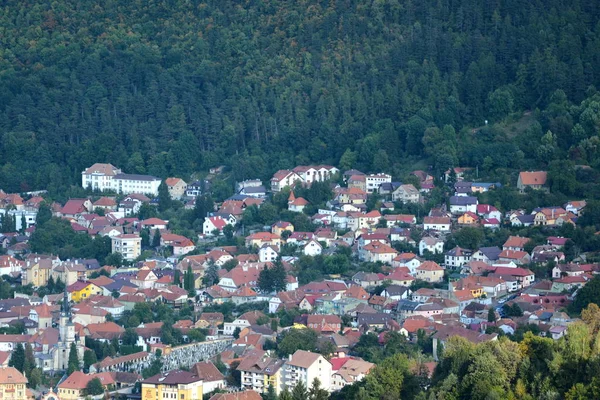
(133, 183)
(99, 176)
(129, 245)
(372, 182)
(104, 177)
(305, 366)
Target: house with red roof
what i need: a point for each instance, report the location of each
(74, 208)
(177, 187)
(535, 180)
(260, 238)
(154, 223)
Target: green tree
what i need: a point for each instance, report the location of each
(89, 359)
(164, 198)
(94, 387)
(17, 358)
(156, 238)
(35, 378)
(297, 339)
(211, 275)
(299, 391)
(491, 315)
(73, 363)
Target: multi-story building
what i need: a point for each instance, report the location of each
(259, 371)
(99, 176)
(129, 245)
(133, 183)
(174, 385)
(12, 384)
(305, 366)
(373, 181)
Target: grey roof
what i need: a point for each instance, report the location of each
(254, 190)
(373, 318)
(407, 305)
(526, 219)
(492, 253)
(462, 200)
(136, 177)
(396, 290)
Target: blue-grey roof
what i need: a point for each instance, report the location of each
(462, 200)
(492, 253)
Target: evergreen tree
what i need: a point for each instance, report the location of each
(17, 358)
(316, 392)
(44, 214)
(73, 364)
(270, 395)
(299, 391)
(89, 359)
(491, 315)
(94, 387)
(35, 378)
(211, 275)
(23, 223)
(29, 363)
(156, 239)
(164, 198)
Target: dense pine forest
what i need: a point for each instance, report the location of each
(172, 87)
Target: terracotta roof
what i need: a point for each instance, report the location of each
(245, 395)
(303, 359)
(533, 178)
(105, 202)
(10, 375)
(99, 168)
(436, 220)
(173, 181)
(516, 241)
(74, 206)
(78, 380)
(153, 221)
(207, 371)
(430, 266)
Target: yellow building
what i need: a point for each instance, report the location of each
(468, 218)
(259, 371)
(279, 227)
(74, 387)
(37, 272)
(81, 290)
(176, 385)
(12, 384)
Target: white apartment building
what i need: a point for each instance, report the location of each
(108, 177)
(373, 181)
(129, 245)
(305, 366)
(133, 183)
(99, 176)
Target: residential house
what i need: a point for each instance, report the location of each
(462, 204)
(358, 182)
(74, 208)
(457, 257)
(296, 204)
(534, 180)
(281, 226)
(406, 194)
(430, 271)
(396, 292)
(408, 260)
(305, 366)
(378, 252)
(441, 224)
(268, 253)
(312, 248)
(177, 187)
(489, 212)
(284, 178)
(247, 319)
(468, 218)
(373, 181)
(258, 239)
(523, 276)
(431, 244)
(213, 224)
(488, 255)
(516, 256)
(128, 245)
(317, 173)
(81, 290)
(258, 371)
(551, 216)
(515, 243)
(575, 207)
(105, 203)
(324, 324)
(347, 371)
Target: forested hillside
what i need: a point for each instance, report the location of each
(172, 87)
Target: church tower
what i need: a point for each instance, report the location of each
(66, 336)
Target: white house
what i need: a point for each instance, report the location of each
(457, 257)
(268, 253)
(406, 194)
(431, 244)
(462, 204)
(312, 248)
(284, 178)
(373, 181)
(441, 224)
(213, 223)
(305, 366)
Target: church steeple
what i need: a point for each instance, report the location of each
(66, 309)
